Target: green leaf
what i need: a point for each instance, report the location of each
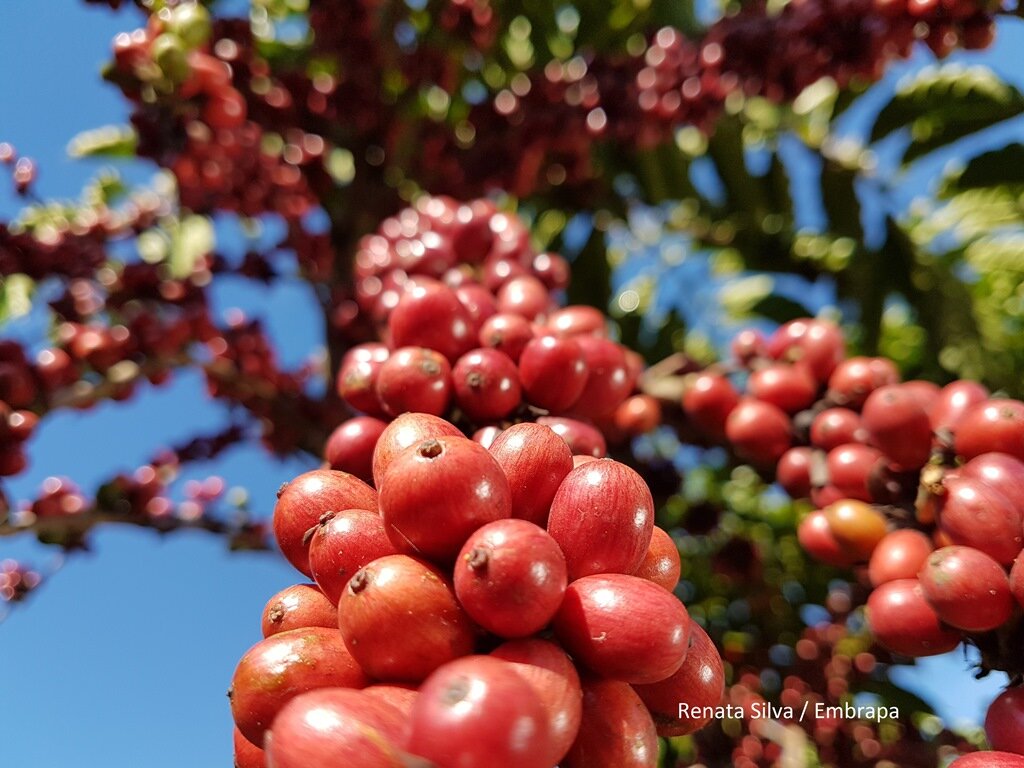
(108, 141)
(1000, 167)
(940, 105)
(193, 239)
(15, 296)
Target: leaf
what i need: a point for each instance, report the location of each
(779, 309)
(1000, 167)
(193, 239)
(108, 141)
(15, 296)
(943, 104)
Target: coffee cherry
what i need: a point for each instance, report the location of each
(350, 446)
(967, 588)
(405, 431)
(793, 472)
(602, 517)
(625, 627)
(506, 333)
(898, 425)
(899, 555)
(582, 438)
(436, 493)
(816, 538)
(553, 372)
(836, 426)
(989, 760)
(849, 470)
(430, 315)
(477, 712)
(817, 345)
(400, 619)
(1004, 721)
(525, 296)
(535, 461)
(302, 502)
(357, 377)
(415, 380)
(510, 577)
(994, 426)
(616, 730)
(954, 400)
(341, 544)
(486, 385)
(609, 381)
(759, 432)
(903, 622)
(790, 388)
(854, 379)
(279, 668)
(976, 515)
(577, 320)
(247, 754)
(298, 607)
(856, 526)
(661, 564)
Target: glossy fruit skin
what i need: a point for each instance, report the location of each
(993, 426)
(616, 730)
(357, 377)
(854, 379)
(535, 461)
(400, 619)
(478, 301)
(835, 426)
(302, 502)
(415, 380)
(708, 399)
(758, 432)
(334, 727)
(430, 315)
(989, 760)
(297, 607)
(699, 683)
(609, 381)
(581, 437)
(898, 425)
(967, 588)
(976, 515)
(1002, 472)
(816, 539)
(899, 555)
(350, 446)
(816, 344)
(401, 696)
(788, 387)
(954, 400)
(524, 295)
(1004, 721)
(856, 526)
(510, 577)
(553, 372)
(457, 481)
(506, 333)
(553, 677)
(405, 431)
(849, 470)
(343, 543)
(486, 384)
(624, 627)
(247, 754)
(280, 667)
(477, 712)
(1017, 580)
(577, 320)
(602, 517)
(661, 565)
(903, 622)
(637, 415)
(793, 472)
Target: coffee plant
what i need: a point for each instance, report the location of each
(633, 361)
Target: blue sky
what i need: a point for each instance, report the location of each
(124, 658)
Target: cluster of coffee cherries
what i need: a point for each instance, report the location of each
(777, 56)
(922, 485)
(509, 605)
(471, 329)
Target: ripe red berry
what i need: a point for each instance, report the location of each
(486, 385)
(429, 314)
(341, 544)
(853, 380)
(817, 344)
(357, 377)
(510, 577)
(976, 515)
(898, 425)
(788, 387)
(967, 588)
(994, 426)
(903, 622)
(302, 502)
(415, 380)
(609, 381)
(582, 438)
(247, 754)
(553, 372)
(759, 432)
(477, 712)
(506, 333)
(280, 667)
(835, 426)
(616, 730)
(401, 621)
(350, 446)
(1004, 721)
(577, 320)
(602, 517)
(535, 460)
(953, 401)
(708, 399)
(408, 429)
(793, 472)
(661, 564)
(297, 607)
(436, 493)
(524, 295)
(900, 555)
